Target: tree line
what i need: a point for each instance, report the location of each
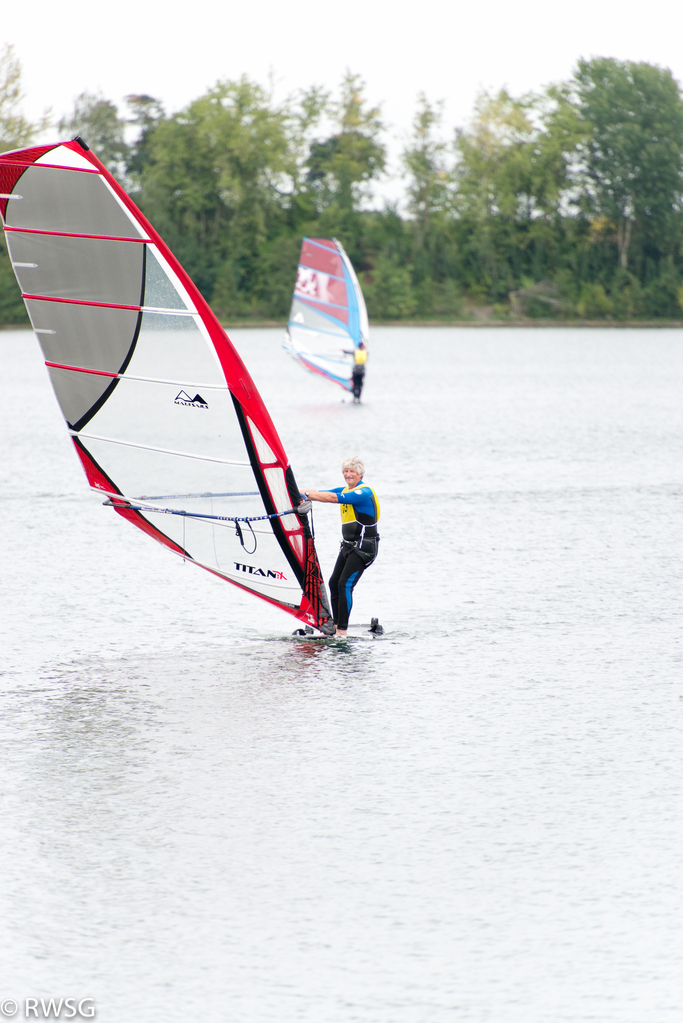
(563, 203)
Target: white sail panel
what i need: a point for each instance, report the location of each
(177, 348)
(171, 479)
(62, 156)
(155, 415)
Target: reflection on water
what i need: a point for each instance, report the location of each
(476, 818)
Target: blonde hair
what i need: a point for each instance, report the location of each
(355, 463)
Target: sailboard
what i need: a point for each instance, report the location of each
(162, 412)
(370, 630)
(328, 319)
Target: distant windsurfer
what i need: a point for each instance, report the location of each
(360, 538)
(360, 357)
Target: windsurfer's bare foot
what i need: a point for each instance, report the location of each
(340, 632)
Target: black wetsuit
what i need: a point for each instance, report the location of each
(360, 357)
(359, 548)
(357, 379)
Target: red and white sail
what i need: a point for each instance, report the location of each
(163, 414)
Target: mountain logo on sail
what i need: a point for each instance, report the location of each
(183, 398)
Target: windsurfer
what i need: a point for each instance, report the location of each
(360, 539)
(360, 357)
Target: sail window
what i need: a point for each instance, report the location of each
(275, 478)
(160, 291)
(297, 545)
(265, 455)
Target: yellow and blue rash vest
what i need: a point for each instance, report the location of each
(359, 511)
(360, 357)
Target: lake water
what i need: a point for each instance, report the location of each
(476, 819)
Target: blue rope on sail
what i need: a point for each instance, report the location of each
(199, 515)
(176, 497)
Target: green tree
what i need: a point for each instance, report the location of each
(214, 185)
(303, 113)
(425, 160)
(388, 290)
(493, 190)
(16, 131)
(429, 194)
(341, 167)
(514, 189)
(98, 123)
(633, 153)
(147, 113)
(517, 158)
(493, 172)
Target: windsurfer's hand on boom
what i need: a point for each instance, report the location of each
(326, 496)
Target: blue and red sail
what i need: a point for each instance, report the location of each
(328, 319)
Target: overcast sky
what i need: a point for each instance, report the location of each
(450, 51)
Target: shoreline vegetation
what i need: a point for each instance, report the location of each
(603, 324)
(562, 207)
(476, 322)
